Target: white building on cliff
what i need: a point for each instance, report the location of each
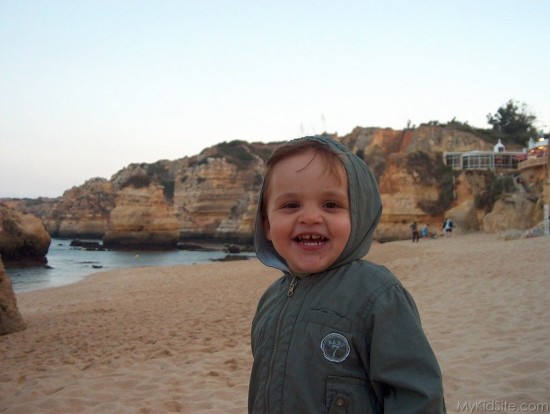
(498, 159)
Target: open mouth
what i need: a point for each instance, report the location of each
(310, 239)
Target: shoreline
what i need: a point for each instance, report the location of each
(177, 338)
(68, 264)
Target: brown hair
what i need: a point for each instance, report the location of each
(332, 160)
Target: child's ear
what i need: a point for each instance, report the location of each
(267, 228)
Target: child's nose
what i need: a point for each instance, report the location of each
(310, 215)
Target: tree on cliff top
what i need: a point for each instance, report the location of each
(514, 122)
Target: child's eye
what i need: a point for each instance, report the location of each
(331, 204)
(290, 205)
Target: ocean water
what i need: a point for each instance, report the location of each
(68, 264)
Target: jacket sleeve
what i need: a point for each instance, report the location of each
(403, 370)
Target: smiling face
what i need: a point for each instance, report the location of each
(307, 214)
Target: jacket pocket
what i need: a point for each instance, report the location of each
(349, 395)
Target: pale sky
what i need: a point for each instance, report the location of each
(88, 87)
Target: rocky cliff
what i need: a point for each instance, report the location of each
(10, 317)
(208, 197)
(141, 218)
(212, 196)
(216, 199)
(22, 236)
(414, 182)
(82, 212)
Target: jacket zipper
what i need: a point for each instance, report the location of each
(289, 294)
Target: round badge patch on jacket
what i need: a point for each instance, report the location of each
(335, 347)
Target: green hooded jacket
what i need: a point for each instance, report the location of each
(345, 340)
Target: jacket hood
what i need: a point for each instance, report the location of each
(365, 211)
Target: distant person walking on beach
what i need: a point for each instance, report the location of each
(415, 233)
(424, 233)
(448, 227)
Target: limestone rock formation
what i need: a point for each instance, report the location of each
(464, 217)
(22, 236)
(216, 200)
(83, 211)
(402, 195)
(141, 218)
(514, 211)
(10, 318)
(435, 139)
(409, 166)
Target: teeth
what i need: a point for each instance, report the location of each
(311, 238)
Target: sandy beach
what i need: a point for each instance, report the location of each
(176, 339)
